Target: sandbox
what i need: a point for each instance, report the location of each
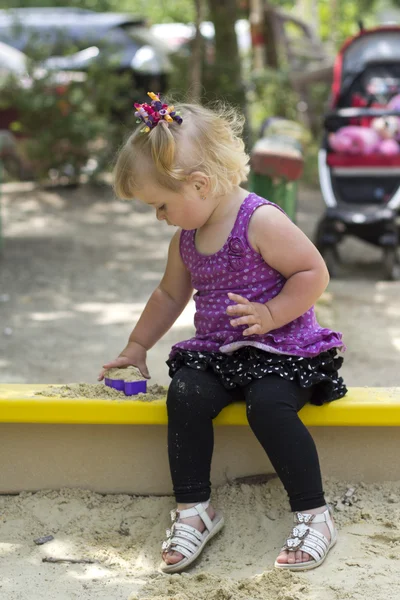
(119, 445)
(91, 475)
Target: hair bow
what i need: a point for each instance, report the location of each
(152, 114)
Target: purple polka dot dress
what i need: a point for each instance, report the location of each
(302, 350)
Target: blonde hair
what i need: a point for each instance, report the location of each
(208, 140)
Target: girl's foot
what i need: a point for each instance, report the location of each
(287, 557)
(171, 557)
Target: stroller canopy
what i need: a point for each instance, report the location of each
(380, 46)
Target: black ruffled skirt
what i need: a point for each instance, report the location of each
(239, 368)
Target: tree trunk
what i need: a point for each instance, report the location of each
(226, 74)
(270, 37)
(197, 56)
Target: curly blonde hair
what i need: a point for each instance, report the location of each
(208, 140)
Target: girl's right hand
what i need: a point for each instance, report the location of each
(134, 355)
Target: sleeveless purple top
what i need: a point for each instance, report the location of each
(238, 268)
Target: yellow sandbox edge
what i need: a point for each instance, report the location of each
(18, 404)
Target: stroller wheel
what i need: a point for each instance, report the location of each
(330, 256)
(391, 264)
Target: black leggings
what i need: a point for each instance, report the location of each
(196, 397)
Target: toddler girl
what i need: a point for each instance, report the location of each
(257, 278)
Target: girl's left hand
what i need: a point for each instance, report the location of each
(254, 314)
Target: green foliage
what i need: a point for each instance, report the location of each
(162, 11)
(61, 126)
(310, 172)
(271, 95)
(338, 24)
(179, 79)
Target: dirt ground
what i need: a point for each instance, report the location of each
(78, 266)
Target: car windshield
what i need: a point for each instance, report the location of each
(12, 60)
(144, 37)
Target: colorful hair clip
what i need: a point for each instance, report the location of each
(152, 114)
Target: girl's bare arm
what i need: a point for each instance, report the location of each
(166, 302)
(288, 250)
(161, 311)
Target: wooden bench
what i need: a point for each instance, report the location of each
(120, 446)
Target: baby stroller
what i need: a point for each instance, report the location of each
(359, 160)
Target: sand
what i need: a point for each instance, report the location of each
(124, 534)
(100, 390)
(127, 374)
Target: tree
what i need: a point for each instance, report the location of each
(163, 11)
(197, 55)
(225, 79)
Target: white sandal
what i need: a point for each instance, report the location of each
(309, 540)
(186, 539)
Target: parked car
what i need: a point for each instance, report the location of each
(11, 60)
(120, 42)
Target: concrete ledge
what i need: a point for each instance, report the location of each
(113, 446)
(133, 459)
(362, 407)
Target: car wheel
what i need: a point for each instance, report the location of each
(15, 168)
(330, 254)
(391, 264)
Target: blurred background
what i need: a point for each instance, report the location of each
(77, 265)
(69, 74)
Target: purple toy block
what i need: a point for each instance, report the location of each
(130, 388)
(135, 387)
(118, 384)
